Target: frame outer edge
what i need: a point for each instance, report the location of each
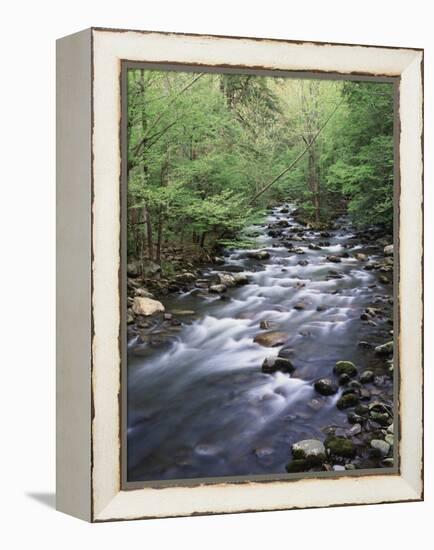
(115, 508)
(73, 275)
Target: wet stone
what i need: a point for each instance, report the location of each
(367, 377)
(355, 429)
(344, 379)
(316, 404)
(259, 255)
(345, 367)
(347, 401)
(389, 438)
(380, 447)
(384, 349)
(271, 339)
(217, 289)
(362, 410)
(354, 418)
(325, 386)
(273, 364)
(286, 353)
(340, 447)
(311, 450)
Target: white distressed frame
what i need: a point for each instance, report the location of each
(106, 499)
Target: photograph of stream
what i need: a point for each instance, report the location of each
(260, 296)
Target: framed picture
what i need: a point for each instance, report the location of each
(239, 267)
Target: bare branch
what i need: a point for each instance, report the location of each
(294, 162)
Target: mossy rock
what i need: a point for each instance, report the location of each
(345, 367)
(381, 418)
(310, 450)
(341, 447)
(362, 410)
(348, 400)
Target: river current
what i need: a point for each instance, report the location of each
(201, 406)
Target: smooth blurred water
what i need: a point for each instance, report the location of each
(201, 407)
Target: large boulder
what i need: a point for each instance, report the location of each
(271, 339)
(273, 364)
(312, 450)
(146, 306)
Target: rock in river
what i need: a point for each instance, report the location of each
(271, 339)
(273, 364)
(385, 349)
(361, 257)
(366, 377)
(312, 450)
(345, 367)
(217, 289)
(226, 279)
(348, 400)
(240, 278)
(286, 352)
(146, 306)
(340, 447)
(380, 447)
(334, 259)
(259, 255)
(325, 386)
(185, 277)
(388, 250)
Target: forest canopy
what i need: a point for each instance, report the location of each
(207, 153)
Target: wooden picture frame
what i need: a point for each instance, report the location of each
(90, 270)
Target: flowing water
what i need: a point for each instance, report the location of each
(201, 406)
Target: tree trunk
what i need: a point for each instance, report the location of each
(159, 237)
(202, 239)
(314, 183)
(148, 223)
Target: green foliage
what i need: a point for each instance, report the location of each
(361, 166)
(201, 146)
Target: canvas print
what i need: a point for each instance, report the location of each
(259, 290)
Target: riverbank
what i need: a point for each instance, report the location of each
(284, 351)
